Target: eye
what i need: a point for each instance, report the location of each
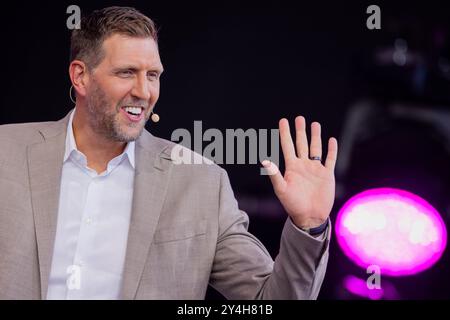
(125, 73)
(152, 76)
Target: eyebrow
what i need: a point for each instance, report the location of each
(134, 69)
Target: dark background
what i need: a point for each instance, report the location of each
(236, 65)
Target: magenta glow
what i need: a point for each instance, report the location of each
(359, 288)
(393, 229)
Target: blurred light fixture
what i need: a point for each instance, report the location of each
(393, 229)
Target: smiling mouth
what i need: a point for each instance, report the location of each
(133, 114)
(133, 111)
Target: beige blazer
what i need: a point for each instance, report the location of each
(186, 229)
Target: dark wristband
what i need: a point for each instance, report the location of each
(317, 230)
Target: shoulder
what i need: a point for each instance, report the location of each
(16, 138)
(22, 133)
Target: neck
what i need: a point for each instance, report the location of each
(97, 149)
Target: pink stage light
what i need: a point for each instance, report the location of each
(393, 229)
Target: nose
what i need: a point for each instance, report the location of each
(141, 89)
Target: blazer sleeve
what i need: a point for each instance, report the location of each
(243, 268)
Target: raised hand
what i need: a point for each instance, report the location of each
(307, 189)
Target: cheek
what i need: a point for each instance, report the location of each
(117, 90)
(154, 93)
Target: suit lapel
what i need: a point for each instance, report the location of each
(45, 162)
(150, 186)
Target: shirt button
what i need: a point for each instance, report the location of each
(88, 221)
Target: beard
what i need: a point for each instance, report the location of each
(106, 120)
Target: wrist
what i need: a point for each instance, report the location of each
(314, 228)
(309, 223)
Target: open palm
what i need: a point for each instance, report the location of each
(307, 189)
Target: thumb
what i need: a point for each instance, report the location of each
(278, 183)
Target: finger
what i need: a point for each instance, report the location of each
(286, 141)
(332, 153)
(316, 141)
(301, 140)
(278, 182)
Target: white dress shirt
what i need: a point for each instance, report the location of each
(93, 222)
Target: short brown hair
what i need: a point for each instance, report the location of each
(86, 42)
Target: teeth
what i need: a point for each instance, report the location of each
(134, 110)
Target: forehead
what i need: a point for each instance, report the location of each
(125, 50)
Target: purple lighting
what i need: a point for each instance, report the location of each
(359, 288)
(393, 229)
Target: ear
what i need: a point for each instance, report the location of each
(79, 76)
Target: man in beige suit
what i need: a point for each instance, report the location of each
(94, 207)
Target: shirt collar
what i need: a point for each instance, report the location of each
(71, 145)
